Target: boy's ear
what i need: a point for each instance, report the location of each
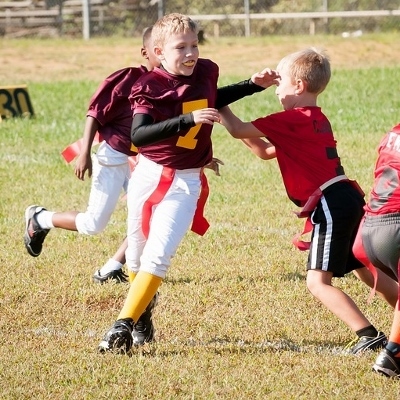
(144, 54)
(159, 53)
(300, 86)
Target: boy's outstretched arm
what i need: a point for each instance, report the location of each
(261, 148)
(236, 127)
(257, 83)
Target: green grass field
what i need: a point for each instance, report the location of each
(234, 319)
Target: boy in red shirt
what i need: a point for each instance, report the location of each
(301, 139)
(378, 241)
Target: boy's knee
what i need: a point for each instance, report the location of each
(90, 232)
(316, 281)
(89, 226)
(311, 286)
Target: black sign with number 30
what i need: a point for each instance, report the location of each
(15, 102)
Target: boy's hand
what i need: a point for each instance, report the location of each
(214, 165)
(205, 116)
(83, 164)
(266, 78)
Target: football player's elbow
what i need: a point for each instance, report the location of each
(134, 141)
(270, 154)
(134, 138)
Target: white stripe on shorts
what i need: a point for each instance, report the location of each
(327, 242)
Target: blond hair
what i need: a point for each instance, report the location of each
(172, 24)
(311, 66)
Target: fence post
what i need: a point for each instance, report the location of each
(325, 8)
(60, 18)
(247, 20)
(86, 19)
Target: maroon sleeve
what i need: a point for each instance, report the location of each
(111, 95)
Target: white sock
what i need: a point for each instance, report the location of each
(44, 219)
(110, 265)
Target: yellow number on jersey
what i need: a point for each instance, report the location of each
(189, 141)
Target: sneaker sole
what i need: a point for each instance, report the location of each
(101, 280)
(27, 239)
(385, 371)
(104, 348)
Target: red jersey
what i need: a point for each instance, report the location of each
(110, 106)
(164, 96)
(385, 194)
(305, 149)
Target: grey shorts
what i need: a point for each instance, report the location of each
(381, 240)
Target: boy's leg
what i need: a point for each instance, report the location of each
(380, 236)
(105, 192)
(107, 183)
(388, 361)
(170, 220)
(319, 283)
(336, 220)
(121, 337)
(395, 331)
(386, 287)
(112, 269)
(339, 303)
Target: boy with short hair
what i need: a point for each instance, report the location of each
(109, 115)
(301, 139)
(175, 107)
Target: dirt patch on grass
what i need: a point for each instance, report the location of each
(55, 60)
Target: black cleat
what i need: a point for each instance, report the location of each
(117, 275)
(387, 364)
(34, 235)
(365, 343)
(119, 338)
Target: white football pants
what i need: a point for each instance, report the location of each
(170, 219)
(111, 172)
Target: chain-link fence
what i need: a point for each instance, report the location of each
(89, 18)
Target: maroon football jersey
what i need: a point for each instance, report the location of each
(164, 96)
(111, 107)
(305, 149)
(385, 194)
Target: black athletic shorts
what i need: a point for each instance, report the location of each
(335, 224)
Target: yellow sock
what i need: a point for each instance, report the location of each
(131, 276)
(141, 291)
